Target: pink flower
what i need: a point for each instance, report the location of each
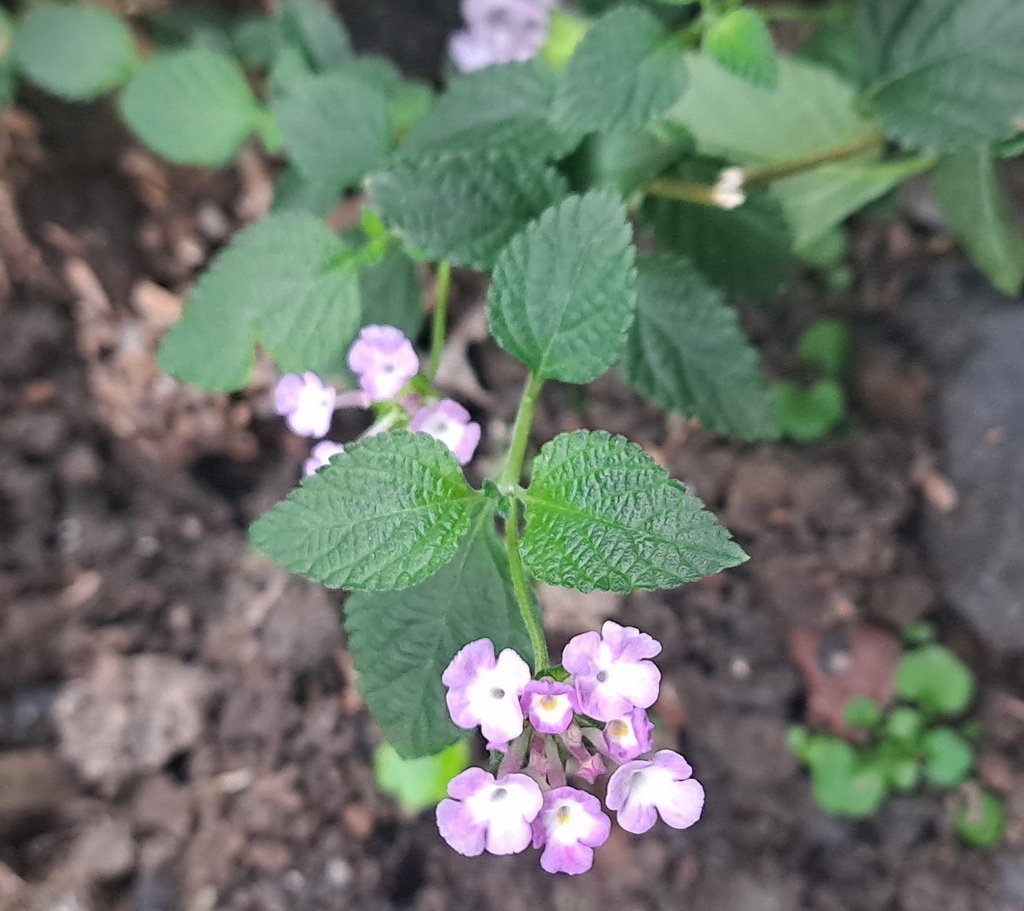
(627, 737)
(449, 422)
(610, 672)
(320, 455)
(547, 705)
(570, 825)
(643, 789)
(384, 360)
(484, 690)
(306, 403)
(499, 31)
(483, 814)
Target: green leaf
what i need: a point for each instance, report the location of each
(387, 513)
(335, 127)
(390, 292)
(809, 414)
(861, 712)
(821, 199)
(980, 819)
(809, 111)
(834, 45)
(192, 25)
(625, 72)
(192, 107)
(501, 107)
(624, 159)
(944, 75)
(904, 774)
(313, 29)
(464, 207)
(948, 757)
(255, 39)
(418, 784)
(564, 289)
(293, 192)
(826, 344)
(76, 52)
(742, 43)
(602, 514)
(975, 207)
(687, 352)
(904, 724)
(934, 678)
(842, 783)
(276, 284)
(402, 642)
(745, 251)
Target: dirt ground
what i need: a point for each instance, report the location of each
(180, 728)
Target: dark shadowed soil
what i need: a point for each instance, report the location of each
(180, 728)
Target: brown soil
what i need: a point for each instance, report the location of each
(179, 723)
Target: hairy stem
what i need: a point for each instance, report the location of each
(515, 564)
(508, 482)
(512, 470)
(754, 177)
(439, 323)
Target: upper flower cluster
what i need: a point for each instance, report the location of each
(592, 709)
(384, 361)
(499, 31)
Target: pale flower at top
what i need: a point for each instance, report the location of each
(384, 360)
(499, 31)
(484, 690)
(611, 673)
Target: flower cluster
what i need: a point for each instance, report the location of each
(580, 718)
(499, 31)
(384, 361)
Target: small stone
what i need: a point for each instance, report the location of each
(103, 851)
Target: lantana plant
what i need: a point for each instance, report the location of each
(618, 175)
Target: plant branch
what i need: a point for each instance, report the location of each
(682, 191)
(512, 470)
(526, 610)
(754, 177)
(439, 323)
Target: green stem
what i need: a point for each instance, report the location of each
(682, 191)
(515, 564)
(754, 177)
(512, 470)
(439, 324)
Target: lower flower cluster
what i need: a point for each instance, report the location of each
(384, 361)
(579, 719)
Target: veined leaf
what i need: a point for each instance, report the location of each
(602, 514)
(387, 513)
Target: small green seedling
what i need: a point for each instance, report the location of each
(810, 413)
(916, 741)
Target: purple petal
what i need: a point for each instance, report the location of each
(572, 859)
(457, 827)
(579, 653)
(668, 759)
(468, 662)
(681, 805)
(286, 393)
(627, 642)
(621, 781)
(637, 818)
(469, 782)
(467, 445)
